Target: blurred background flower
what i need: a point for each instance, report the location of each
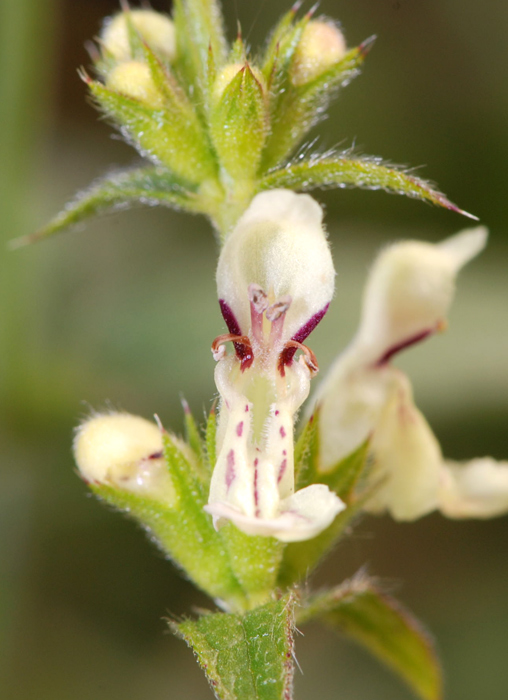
(122, 315)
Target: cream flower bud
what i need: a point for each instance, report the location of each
(133, 79)
(410, 289)
(125, 452)
(321, 46)
(156, 29)
(275, 279)
(228, 73)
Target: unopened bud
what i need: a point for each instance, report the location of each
(228, 73)
(125, 452)
(321, 46)
(134, 79)
(156, 29)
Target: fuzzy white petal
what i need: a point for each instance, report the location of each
(475, 489)
(279, 244)
(410, 289)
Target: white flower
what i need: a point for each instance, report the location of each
(407, 298)
(275, 280)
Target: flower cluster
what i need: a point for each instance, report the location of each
(244, 509)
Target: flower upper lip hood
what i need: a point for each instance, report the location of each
(407, 298)
(278, 245)
(409, 291)
(275, 280)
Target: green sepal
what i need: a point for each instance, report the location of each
(147, 186)
(295, 109)
(342, 477)
(199, 28)
(255, 562)
(238, 125)
(247, 657)
(365, 173)
(307, 452)
(360, 610)
(301, 558)
(195, 442)
(345, 475)
(211, 438)
(186, 535)
(279, 33)
(238, 53)
(171, 136)
(276, 69)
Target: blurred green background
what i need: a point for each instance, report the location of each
(122, 314)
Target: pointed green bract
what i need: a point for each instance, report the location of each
(211, 438)
(295, 109)
(382, 625)
(307, 452)
(245, 657)
(344, 476)
(185, 536)
(195, 441)
(280, 31)
(141, 186)
(199, 29)
(170, 136)
(238, 125)
(366, 173)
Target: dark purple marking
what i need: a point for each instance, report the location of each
(282, 431)
(286, 356)
(282, 469)
(243, 352)
(277, 413)
(246, 408)
(230, 318)
(284, 452)
(239, 429)
(156, 455)
(230, 470)
(256, 493)
(385, 359)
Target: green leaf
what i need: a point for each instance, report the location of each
(199, 30)
(186, 535)
(385, 628)
(238, 125)
(144, 186)
(171, 136)
(295, 109)
(245, 657)
(366, 173)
